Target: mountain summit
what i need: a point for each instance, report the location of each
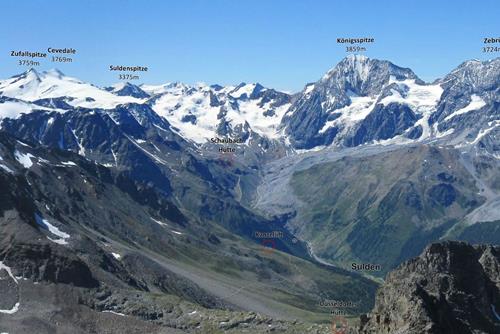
(359, 101)
(127, 195)
(362, 76)
(32, 85)
(363, 100)
(342, 98)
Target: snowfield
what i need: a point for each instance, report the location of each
(44, 223)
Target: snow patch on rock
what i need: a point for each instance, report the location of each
(24, 158)
(44, 223)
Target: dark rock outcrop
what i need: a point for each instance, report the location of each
(452, 287)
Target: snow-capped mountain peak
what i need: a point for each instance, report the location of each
(201, 112)
(169, 87)
(359, 101)
(30, 75)
(363, 100)
(244, 90)
(33, 85)
(363, 76)
(54, 73)
(477, 74)
(358, 64)
(127, 89)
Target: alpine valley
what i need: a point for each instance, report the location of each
(141, 208)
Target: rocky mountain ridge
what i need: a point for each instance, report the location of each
(359, 101)
(384, 163)
(450, 288)
(110, 250)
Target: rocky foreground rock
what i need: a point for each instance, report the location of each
(453, 287)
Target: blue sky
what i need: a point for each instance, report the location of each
(279, 43)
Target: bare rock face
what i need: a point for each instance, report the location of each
(452, 287)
